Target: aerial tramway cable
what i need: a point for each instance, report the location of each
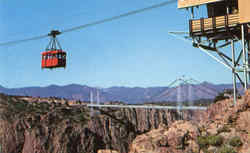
(23, 40)
(120, 16)
(93, 23)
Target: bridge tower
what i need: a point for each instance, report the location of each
(224, 30)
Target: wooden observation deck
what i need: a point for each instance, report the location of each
(223, 17)
(219, 24)
(225, 23)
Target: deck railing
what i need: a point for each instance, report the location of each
(212, 24)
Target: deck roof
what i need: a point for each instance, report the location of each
(191, 3)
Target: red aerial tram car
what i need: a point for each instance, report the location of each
(53, 59)
(54, 56)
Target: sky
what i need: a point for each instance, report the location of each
(133, 51)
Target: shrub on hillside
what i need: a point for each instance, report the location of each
(226, 149)
(235, 141)
(224, 129)
(202, 142)
(215, 140)
(220, 97)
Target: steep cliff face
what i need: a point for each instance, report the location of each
(224, 128)
(41, 127)
(178, 138)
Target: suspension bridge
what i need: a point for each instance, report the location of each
(173, 85)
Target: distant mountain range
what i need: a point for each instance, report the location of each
(130, 95)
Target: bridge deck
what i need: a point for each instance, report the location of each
(150, 107)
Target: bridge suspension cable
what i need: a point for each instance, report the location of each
(183, 80)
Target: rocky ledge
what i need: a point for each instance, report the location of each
(35, 125)
(224, 128)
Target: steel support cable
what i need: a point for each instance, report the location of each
(215, 58)
(198, 88)
(224, 57)
(226, 64)
(120, 16)
(168, 91)
(210, 88)
(23, 40)
(172, 83)
(95, 22)
(237, 75)
(239, 57)
(209, 93)
(221, 54)
(224, 45)
(178, 32)
(204, 50)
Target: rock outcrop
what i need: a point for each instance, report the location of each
(107, 151)
(224, 128)
(177, 138)
(32, 126)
